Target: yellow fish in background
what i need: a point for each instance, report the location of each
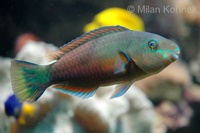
(116, 16)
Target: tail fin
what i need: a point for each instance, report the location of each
(28, 80)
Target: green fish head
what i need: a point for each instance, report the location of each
(151, 52)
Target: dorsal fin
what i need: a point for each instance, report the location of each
(55, 55)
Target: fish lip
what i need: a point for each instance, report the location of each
(175, 54)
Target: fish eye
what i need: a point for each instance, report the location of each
(153, 44)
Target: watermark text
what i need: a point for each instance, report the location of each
(163, 9)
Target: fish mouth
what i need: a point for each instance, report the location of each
(175, 54)
(172, 55)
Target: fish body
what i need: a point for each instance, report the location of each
(93, 63)
(105, 56)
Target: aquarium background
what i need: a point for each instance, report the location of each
(174, 98)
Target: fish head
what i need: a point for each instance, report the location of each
(152, 53)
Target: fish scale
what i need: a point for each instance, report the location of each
(77, 57)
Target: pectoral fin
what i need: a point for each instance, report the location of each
(122, 63)
(121, 89)
(76, 91)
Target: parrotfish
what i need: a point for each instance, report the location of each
(105, 56)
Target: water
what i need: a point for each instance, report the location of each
(168, 103)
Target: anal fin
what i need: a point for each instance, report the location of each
(76, 91)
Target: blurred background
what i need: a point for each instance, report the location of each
(168, 102)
